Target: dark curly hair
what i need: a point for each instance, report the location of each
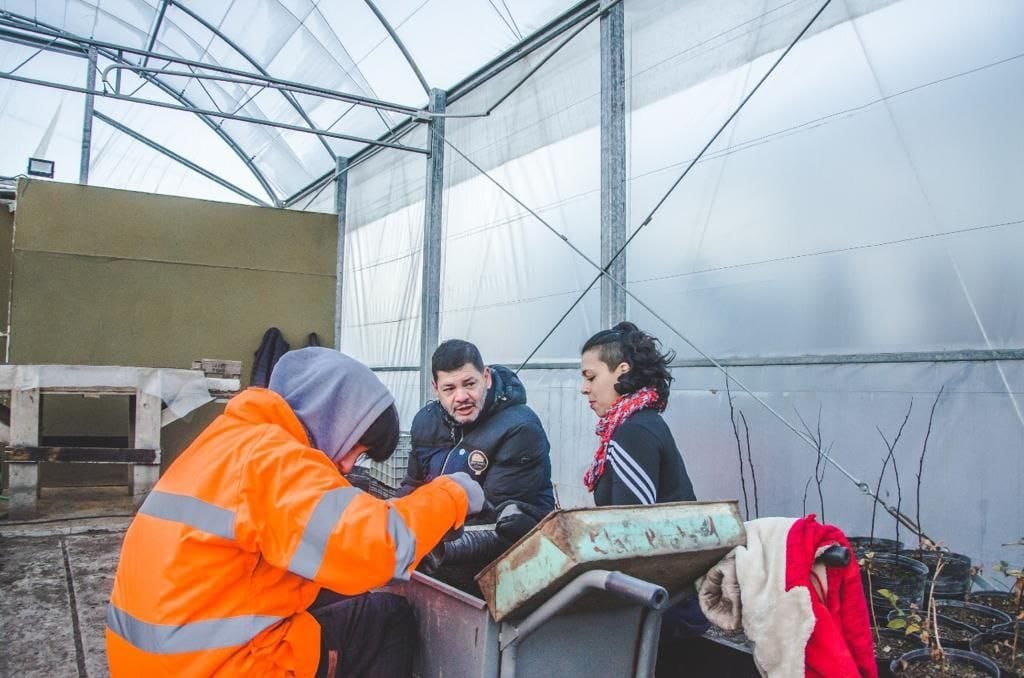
(648, 366)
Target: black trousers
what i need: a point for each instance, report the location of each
(368, 636)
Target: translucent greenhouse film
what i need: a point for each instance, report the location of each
(846, 248)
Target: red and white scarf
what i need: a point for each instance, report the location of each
(621, 410)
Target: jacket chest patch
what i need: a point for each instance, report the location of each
(478, 462)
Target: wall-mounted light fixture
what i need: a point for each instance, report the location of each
(38, 167)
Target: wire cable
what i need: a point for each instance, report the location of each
(679, 179)
(604, 271)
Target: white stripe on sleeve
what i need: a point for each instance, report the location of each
(631, 474)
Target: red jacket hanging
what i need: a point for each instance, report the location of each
(840, 644)
(804, 619)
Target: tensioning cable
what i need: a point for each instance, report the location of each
(604, 271)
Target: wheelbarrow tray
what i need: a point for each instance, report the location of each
(666, 544)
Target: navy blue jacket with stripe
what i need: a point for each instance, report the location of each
(643, 465)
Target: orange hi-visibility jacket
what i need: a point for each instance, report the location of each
(236, 540)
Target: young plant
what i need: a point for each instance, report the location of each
(891, 457)
(908, 621)
(920, 463)
(1018, 600)
(867, 565)
(937, 652)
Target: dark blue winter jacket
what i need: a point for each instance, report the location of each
(505, 449)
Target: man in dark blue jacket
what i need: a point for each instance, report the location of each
(480, 424)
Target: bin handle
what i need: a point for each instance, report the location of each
(643, 592)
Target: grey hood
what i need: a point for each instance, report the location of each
(334, 396)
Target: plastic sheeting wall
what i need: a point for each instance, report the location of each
(972, 472)
(865, 201)
(506, 278)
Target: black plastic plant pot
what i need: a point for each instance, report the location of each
(998, 646)
(981, 617)
(998, 600)
(903, 576)
(1008, 628)
(955, 633)
(952, 632)
(972, 659)
(862, 545)
(891, 644)
(955, 579)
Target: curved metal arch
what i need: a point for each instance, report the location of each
(195, 167)
(228, 139)
(289, 97)
(157, 22)
(166, 88)
(400, 44)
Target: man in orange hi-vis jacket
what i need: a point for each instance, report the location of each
(231, 548)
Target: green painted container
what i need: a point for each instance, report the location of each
(666, 544)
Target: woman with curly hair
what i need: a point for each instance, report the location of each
(626, 380)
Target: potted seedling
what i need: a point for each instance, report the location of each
(1004, 646)
(901, 633)
(935, 660)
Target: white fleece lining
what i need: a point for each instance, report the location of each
(778, 622)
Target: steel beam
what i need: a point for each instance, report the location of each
(326, 178)
(401, 46)
(255, 64)
(613, 163)
(341, 204)
(90, 98)
(963, 356)
(255, 80)
(577, 17)
(50, 45)
(19, 22)
(116, 55)
(156, 28)
(213, 114)
(430, 308)
(138, 136)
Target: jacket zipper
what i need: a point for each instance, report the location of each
(462, 436)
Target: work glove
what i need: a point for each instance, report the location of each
(514, 520)
(474, 492)
(477, 547)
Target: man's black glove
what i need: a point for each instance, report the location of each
(515, 519)
(478, 546)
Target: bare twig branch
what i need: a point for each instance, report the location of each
(807, 486)
(821, 478)
(739, 449)
(896, 471)
(819, 471)
(750, 465)
(920, 463)
(874, 501)
(820, 467)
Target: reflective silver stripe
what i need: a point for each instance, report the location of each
(405, 544)
(190, 511)
(210, 634)
(310, 554)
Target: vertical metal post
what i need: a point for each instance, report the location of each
(341, 203)
(430, 315)
(613, 161)
(90, 84)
